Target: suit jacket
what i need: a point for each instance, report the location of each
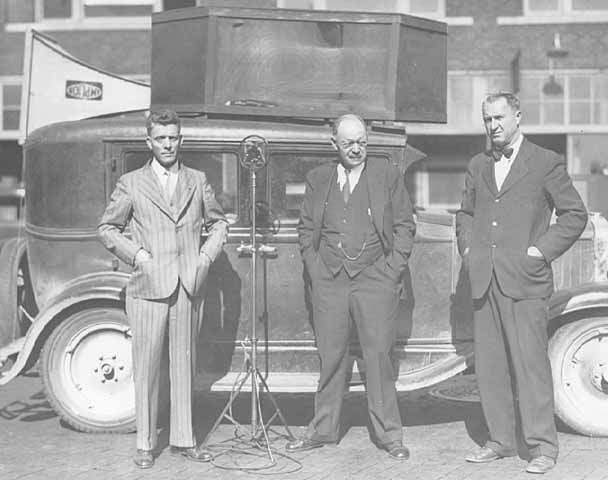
(171, 235)
(391, 211)
(498, 227)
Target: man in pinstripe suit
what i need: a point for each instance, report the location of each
(167, 206)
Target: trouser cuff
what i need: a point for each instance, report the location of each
(501, 449)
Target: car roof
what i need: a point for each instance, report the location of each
(131, 126)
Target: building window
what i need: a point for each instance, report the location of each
(57, 9)
(425, 8)
(564, 7)
(466, 92)
(61, 13)
(587, 154)
(582, 101)
(10, 104)
(581, 98)
(538, 107)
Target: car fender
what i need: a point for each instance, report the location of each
(593, 295)
(91, 287)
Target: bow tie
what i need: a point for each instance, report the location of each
(498, 153)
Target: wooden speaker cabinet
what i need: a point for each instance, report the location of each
(299, 63)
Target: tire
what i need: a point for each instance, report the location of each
(579, 360)
(86, 369)
(15, 291)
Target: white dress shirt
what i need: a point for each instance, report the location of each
(167, 177)
(503, 166)
(353, 176)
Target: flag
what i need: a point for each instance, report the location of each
(59, 87)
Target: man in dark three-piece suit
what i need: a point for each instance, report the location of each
(507, 244)
(167, 206)
(356, 233)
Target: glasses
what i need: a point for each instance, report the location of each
(351, 144)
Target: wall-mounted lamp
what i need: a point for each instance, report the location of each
(551, 86)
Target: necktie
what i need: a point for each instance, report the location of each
(498, 153)
(346, 187)
(167, 190)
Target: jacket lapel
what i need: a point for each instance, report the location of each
(184, 190)
(321, 200)
(518, 169)
(377, 189)
(150, 187)
(488, 174)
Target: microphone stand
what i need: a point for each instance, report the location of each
(253, 158)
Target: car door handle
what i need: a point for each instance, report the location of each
(268, 251)
(265, 251)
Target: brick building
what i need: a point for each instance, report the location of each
(492, 45)
(506, 45)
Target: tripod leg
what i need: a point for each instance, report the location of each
(233, 397)
(274, 403)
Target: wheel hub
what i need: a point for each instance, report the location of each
(98, 364)
(599, 376)
(107, 369)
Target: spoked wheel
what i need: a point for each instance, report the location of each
(16, 295)
(87, 371)
(579, 359)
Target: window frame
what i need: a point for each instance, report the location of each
(117, 151)
(470, 120)
(293, 149)
(79, 21)
(564, 7)
(403, 7)
(287, 232)
(13, 81)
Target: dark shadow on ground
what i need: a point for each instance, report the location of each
(35, 409)
(417, 408)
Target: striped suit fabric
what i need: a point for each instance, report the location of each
(164, 293)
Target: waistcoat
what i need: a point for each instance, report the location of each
(348, 237)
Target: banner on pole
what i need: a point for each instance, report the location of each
(59, 87)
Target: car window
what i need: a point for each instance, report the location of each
(221, 169)
(288, 181)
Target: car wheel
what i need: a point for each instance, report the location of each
(15, 291)
(579, 360)
(87, 371)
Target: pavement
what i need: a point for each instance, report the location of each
(36, 444)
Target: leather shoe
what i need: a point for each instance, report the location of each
(303, 444)
(541, 464)
(196, 454)
(398, 452)
(482, 455)
(143, 458)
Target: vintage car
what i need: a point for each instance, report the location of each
(71, 290)
(11, 202)
(231, 74)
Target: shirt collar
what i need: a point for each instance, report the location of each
(356, 171)
(354, 175)
(160, 171)
(516, 146)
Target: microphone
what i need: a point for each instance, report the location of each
(252, 152)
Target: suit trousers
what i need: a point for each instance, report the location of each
(371, 301)
(514, 373)
(149, 321)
